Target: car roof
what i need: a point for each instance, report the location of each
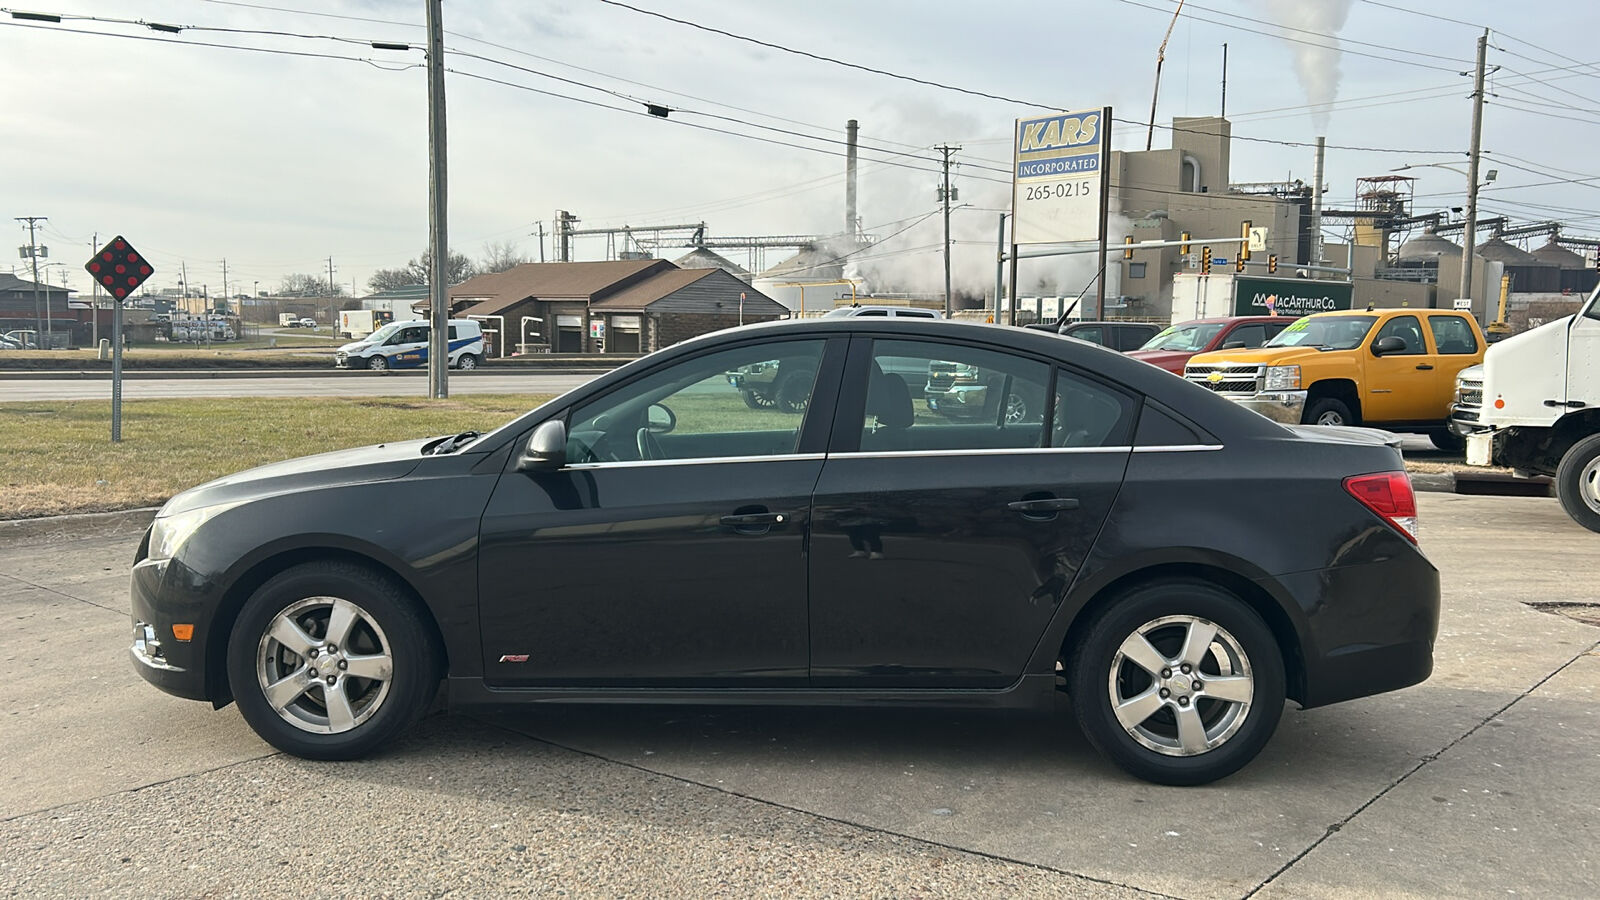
(1214, 320)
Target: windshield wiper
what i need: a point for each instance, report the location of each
(455, 442)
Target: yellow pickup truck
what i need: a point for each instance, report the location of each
(1389, 368)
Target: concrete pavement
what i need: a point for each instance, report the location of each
(1477, 783)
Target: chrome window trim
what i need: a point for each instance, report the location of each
(1003, 451)
(694, 461)
(1178, 448)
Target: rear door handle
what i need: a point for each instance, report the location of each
(1425, 367)
(1042, 506)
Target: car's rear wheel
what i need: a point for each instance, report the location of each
(331, 660)
(1328, 411)
(1178, 682)
(794, 391)
(467, 362)
(378, 362)
(1578, 482)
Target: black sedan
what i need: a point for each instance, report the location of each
(1178, 565)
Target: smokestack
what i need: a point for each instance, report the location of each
(1316, 204)
(850, 129)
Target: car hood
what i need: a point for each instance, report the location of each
(362, 465)
(1272, 356)
(355, 346)
(1165, 359)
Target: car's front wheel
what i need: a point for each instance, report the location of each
(378, 362)
(1328, 411)
(1178, 682)
(330, 660)
(1578, 482)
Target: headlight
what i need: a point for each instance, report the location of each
(1283, 378)
(167, 533)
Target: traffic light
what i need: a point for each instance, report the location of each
(1238, 264)
(1244, 248)
(1184, 249)
(1205, 260)
(1127, 247)
(1272, 263)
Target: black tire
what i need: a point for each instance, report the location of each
(1241, 729)
(467, 362)
(756, 400)
(387, 623)
(1447, 441)
(1578, 482)
(378, 362)
(1328, 408)
(793, 391)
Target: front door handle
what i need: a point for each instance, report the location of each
(754, 522)
(1043, 507)
(1425, 367)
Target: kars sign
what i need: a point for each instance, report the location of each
(1057, 192)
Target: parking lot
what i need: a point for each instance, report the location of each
(1479, 782)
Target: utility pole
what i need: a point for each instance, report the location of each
(333, 312)
(31, 252)
(540, 234)
(225, 295)
(438, 213)
(94, 287)
(1471, 231)
(946, 194)
(183, 298)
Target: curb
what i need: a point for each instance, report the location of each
(1439, 482)
(77, 525)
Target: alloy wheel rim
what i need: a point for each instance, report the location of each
(1181, 685)
(1016, 409)
(1330, 418)
(1589, 485)
(324, 665)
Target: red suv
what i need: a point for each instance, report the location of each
(1172, 348)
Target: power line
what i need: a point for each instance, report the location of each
(194, 43)
(1340, 48)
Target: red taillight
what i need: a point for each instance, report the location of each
(1389, 495)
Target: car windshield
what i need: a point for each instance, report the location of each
(1331, 332)
(1193, 336)
(1592, 308)
(384, 333)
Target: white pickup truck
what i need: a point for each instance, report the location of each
(1534, 406)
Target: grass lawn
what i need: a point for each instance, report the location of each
(57, 457)
(292, 349)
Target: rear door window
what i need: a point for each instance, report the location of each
(1247, 335)
(1452, 335)
(929, 395)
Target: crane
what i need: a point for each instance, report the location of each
(1161, 56)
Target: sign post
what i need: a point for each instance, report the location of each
(119, 269)
(1060, 185)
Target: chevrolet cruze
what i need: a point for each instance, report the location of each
(1178, 565)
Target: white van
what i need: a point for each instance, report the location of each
(404, 345)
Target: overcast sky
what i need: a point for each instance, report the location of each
(278, 162)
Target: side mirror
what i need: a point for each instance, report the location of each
(546, 449)
(659, 419)
(1390, 344)
(1233, 345)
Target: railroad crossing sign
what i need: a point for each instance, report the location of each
(119, 268)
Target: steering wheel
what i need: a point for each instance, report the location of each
(649, 447)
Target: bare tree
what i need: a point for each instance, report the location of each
(301, 284)
(389, 279)
(500, 256)
(460, 269)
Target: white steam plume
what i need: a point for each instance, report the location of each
(1316, 67)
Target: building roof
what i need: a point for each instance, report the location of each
(703, 258)
(638, 296)
(550, 281)
(1558, 255)
(9, 282)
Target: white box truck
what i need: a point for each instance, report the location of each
(288, 320)
(358, 323)
(1534, 407)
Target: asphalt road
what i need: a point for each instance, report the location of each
(363, 384)
(1479, 782)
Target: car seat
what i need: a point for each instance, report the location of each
(889, 403)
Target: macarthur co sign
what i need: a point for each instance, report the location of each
(1289, 296)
